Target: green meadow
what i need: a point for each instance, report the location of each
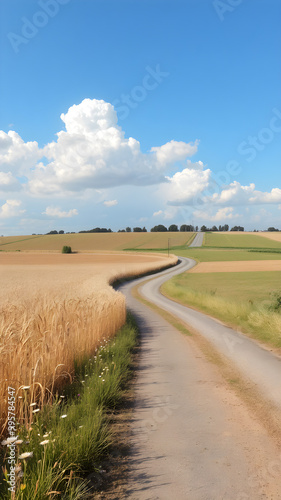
(204, 254)
(232, 240)
(249, 301)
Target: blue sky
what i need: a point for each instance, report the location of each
(171, 113)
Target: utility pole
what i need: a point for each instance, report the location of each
(169, 247)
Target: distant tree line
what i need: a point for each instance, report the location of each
(135, 230)
(221, 228)
(160, 228)
(173, 228)
(56, 232)
(97, 230)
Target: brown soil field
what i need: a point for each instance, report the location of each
(240, 266)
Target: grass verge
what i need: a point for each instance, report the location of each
(241, 300)
(68, 440)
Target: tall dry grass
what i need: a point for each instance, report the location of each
(259, 320)
(43, 337)
(40, 343)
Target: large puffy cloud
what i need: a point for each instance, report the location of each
(8, 182)
(174, 151)
(93, 153)
(222, 214)
(11, 209)
(236, 194)
(57, 212)
(16, 155)
(183, 187)
(274, 196)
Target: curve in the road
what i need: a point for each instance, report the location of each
(191, 437)
(259, 365)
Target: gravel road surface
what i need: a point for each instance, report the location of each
(192, 437)
(198, 240)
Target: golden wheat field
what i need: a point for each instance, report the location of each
(90, 242)
(54, 309)
(275, 236)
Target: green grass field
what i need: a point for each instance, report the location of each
(216, 255)
(243, 300)
(252, 286)
(232, 240)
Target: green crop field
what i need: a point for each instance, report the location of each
(204, 254)
(242, 286)
(232, 240)
(245, 300)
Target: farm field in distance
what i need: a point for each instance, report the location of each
(204, 254)
(237, 285)
(239, 240)
(90, 242)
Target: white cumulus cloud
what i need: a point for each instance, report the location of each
(174, 151)
(8, 182)
(183, 186)
(236, 194)
(11, 209)
(17, 155)
(222, 214)
(110, 203)
(57, 212)
(93, 153)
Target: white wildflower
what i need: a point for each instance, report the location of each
(27, 454)
(9, 440)
(44, 442)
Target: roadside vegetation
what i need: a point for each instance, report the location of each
(250, 301)
(61, 449)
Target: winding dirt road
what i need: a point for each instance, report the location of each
(192, 436)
